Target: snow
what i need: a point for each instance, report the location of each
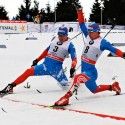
(19, 55)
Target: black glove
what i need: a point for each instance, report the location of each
(34, 62)
(72, 71)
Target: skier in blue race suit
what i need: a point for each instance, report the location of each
(93, 48)
(54, 55)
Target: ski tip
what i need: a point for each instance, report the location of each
(57, 107)
(51, 105)
(2, 95)
(117, 94)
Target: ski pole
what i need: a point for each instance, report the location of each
(76, 36)
(109, 31)
(112, 27)
(70, 39)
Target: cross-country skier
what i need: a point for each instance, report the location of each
(93, 48)
(54, 55)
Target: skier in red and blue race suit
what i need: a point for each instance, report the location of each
(93, 48)
(54, 55)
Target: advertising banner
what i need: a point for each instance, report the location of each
(12, 26)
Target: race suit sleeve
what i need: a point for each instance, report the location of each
(43, 54)
(81, 21)
(105, 45)
(72, 52)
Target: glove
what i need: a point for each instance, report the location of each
(34, 62)
(80, 14)
(72, 71)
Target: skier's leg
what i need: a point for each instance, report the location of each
(78, 79)
(37, 70)
(61, 79)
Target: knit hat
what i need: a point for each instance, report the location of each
(63, 31)
(93, 27)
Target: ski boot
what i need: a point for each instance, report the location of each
(7, 90)
(115, 87)
(63, 101)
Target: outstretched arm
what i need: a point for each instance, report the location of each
(43, 54)
(72, 52)
(81, 20)
(105, 45)
(120, 53)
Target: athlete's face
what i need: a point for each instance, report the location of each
(94, 35)
(62, 38)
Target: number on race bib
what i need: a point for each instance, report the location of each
(55, 49)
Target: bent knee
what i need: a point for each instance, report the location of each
(91, 86)
(81, 78)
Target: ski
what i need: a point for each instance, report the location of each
(67, 108)
(3, 94)
(119, 94)
(59, 107)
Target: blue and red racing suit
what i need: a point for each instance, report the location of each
(54, 55)
(91, 52)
